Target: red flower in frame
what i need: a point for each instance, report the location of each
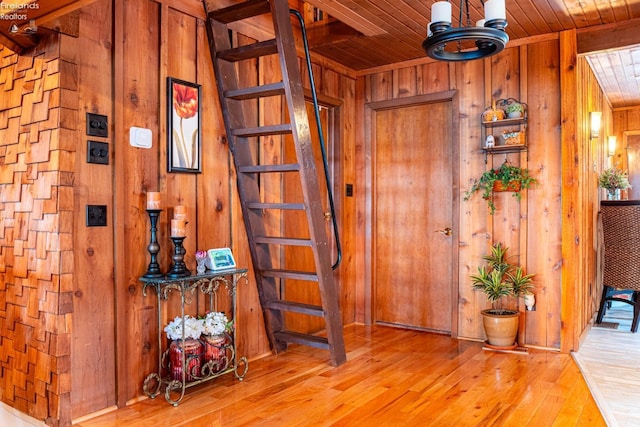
(185, 100)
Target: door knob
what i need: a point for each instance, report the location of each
(447, 231)
(327, 216)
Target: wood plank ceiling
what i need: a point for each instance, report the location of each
(390, 31)
(363, 34)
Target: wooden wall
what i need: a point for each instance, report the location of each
(593, 159)
(37, 155)
(78, 334)
(133, 93)
(531, 228)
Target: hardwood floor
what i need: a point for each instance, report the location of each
(609, 359)
(393, 377)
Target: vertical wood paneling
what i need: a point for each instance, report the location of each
(93, 246)
(473, 236)
(512, 224)
(544, 230)
(138, 172)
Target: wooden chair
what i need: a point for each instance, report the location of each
(621, 260)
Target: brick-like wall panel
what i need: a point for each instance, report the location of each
(36, 213)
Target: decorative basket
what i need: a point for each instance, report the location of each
(511, 137)
(493, 113)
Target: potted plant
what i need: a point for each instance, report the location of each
(500, 280)
(613, 180)
(506, 178)
(514, 110)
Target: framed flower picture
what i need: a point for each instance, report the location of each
(183, 131)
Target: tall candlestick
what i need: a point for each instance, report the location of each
(179, 268)
(153, 200)
(153, 270)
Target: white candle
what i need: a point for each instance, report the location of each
(494, 9)
(180, 212)
(441, 12)
(178, 228)
(153, 200)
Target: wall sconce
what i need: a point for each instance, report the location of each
(612, 146)
(596, 117)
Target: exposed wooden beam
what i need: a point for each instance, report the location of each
(608, 36)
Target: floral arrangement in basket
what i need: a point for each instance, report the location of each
(614, 179)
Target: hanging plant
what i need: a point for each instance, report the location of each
(506, 178)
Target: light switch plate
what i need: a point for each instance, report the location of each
(140, 137)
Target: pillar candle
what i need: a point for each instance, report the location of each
(178, 228)
(180, 212)
(494, 9)
(441, 12)
(153, 200)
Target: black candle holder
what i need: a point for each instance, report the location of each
(153, 270)
(179, 268)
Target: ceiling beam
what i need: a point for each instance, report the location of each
(609, 36)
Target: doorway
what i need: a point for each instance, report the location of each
(413, 213)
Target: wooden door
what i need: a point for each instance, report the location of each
(412, 208)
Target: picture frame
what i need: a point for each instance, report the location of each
(184, 152)
(220, 259)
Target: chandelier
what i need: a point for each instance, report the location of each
(487, 37)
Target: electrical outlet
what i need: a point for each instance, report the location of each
(98, 152)
(96, 215)
(349, 190)
(97, 125)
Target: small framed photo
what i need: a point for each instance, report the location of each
(220, 259)
(183, 130)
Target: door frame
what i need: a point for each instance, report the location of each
(371, 110)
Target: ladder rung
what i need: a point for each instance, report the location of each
(289, 167)
(271, 89)
(240, 11)
(263, 130)
(290, 274)
(289, 241)
(250, 51)
(296, 307)
(283, 206)
(298, 338)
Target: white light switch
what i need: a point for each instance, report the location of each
(140, 137)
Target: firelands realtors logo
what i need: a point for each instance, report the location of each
(16, 11)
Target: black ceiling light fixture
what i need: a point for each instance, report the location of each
(487, 37)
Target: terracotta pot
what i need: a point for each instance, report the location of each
(501, 329)
(498, 186)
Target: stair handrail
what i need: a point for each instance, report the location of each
(325, 162)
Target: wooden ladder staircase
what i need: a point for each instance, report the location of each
(239, 103)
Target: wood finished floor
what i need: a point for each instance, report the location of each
(393, 377)
(609, 360)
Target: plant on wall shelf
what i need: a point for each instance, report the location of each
(506, 178)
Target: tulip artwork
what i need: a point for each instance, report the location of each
(184, 126)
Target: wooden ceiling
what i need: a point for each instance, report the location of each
(392, 31)
(364, 34)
